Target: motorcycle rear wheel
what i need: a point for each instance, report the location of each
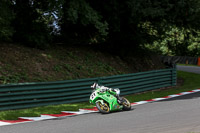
(103, 108)
(126, 104)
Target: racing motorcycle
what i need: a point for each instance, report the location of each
(108, 100)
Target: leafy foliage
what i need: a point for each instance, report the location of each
(30, 24)
(6, 16)
(81, 21)
(178, 41)
(125, 25)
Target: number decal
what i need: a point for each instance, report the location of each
(93, 95)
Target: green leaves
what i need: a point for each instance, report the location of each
(80, 11)
(6, 16)
(177, 41)
(116, 23)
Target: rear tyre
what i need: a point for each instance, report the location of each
(126, 104)
(103, 108)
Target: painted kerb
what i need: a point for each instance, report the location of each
(26, 95)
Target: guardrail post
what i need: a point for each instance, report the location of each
(174, 76)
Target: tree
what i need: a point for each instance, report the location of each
(81, 22)
(125, 25)
(30, 23)
(178, 41)
(6, 16)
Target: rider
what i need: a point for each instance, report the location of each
(114, 92)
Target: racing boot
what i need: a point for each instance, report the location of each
(119, 100)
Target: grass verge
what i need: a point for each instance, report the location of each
(35, 112)
(191, 81)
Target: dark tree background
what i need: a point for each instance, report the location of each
(115, 24)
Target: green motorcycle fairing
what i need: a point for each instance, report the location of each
(98, 96)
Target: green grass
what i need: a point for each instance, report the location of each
(191, 81)
(35, 112)
(59, 63)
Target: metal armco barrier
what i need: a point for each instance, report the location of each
(180, 59)
(26, 95)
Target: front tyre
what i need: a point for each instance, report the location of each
(126, 104)
(103, 108)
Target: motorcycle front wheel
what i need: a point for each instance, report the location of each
(126, 104)
(103, 108)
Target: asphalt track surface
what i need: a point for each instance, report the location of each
(192, 69)
(175, 115)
